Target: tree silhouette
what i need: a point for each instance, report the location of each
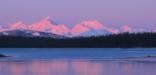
(122, 40)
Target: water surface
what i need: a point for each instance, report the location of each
(78, 61)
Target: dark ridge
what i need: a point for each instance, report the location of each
(123, 40)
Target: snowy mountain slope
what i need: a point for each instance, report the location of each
(29, 33)
(84, 28)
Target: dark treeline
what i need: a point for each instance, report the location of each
(123, 40)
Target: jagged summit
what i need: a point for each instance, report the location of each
(17, 25)
(85, 28)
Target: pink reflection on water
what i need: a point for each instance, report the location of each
(16, 69)
(126, 69)
(57, 67)
(77, 67)
(40, 68)
(86, 68)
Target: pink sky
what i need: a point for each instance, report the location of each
(136, 13)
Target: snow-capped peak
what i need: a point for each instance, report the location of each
(17, 25)
(46, 25)
(91, 27)
(125, 28)
(42, 25)
(93, 24)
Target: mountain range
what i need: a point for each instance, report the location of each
(46, 25)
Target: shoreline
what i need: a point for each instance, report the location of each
(128, 59)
